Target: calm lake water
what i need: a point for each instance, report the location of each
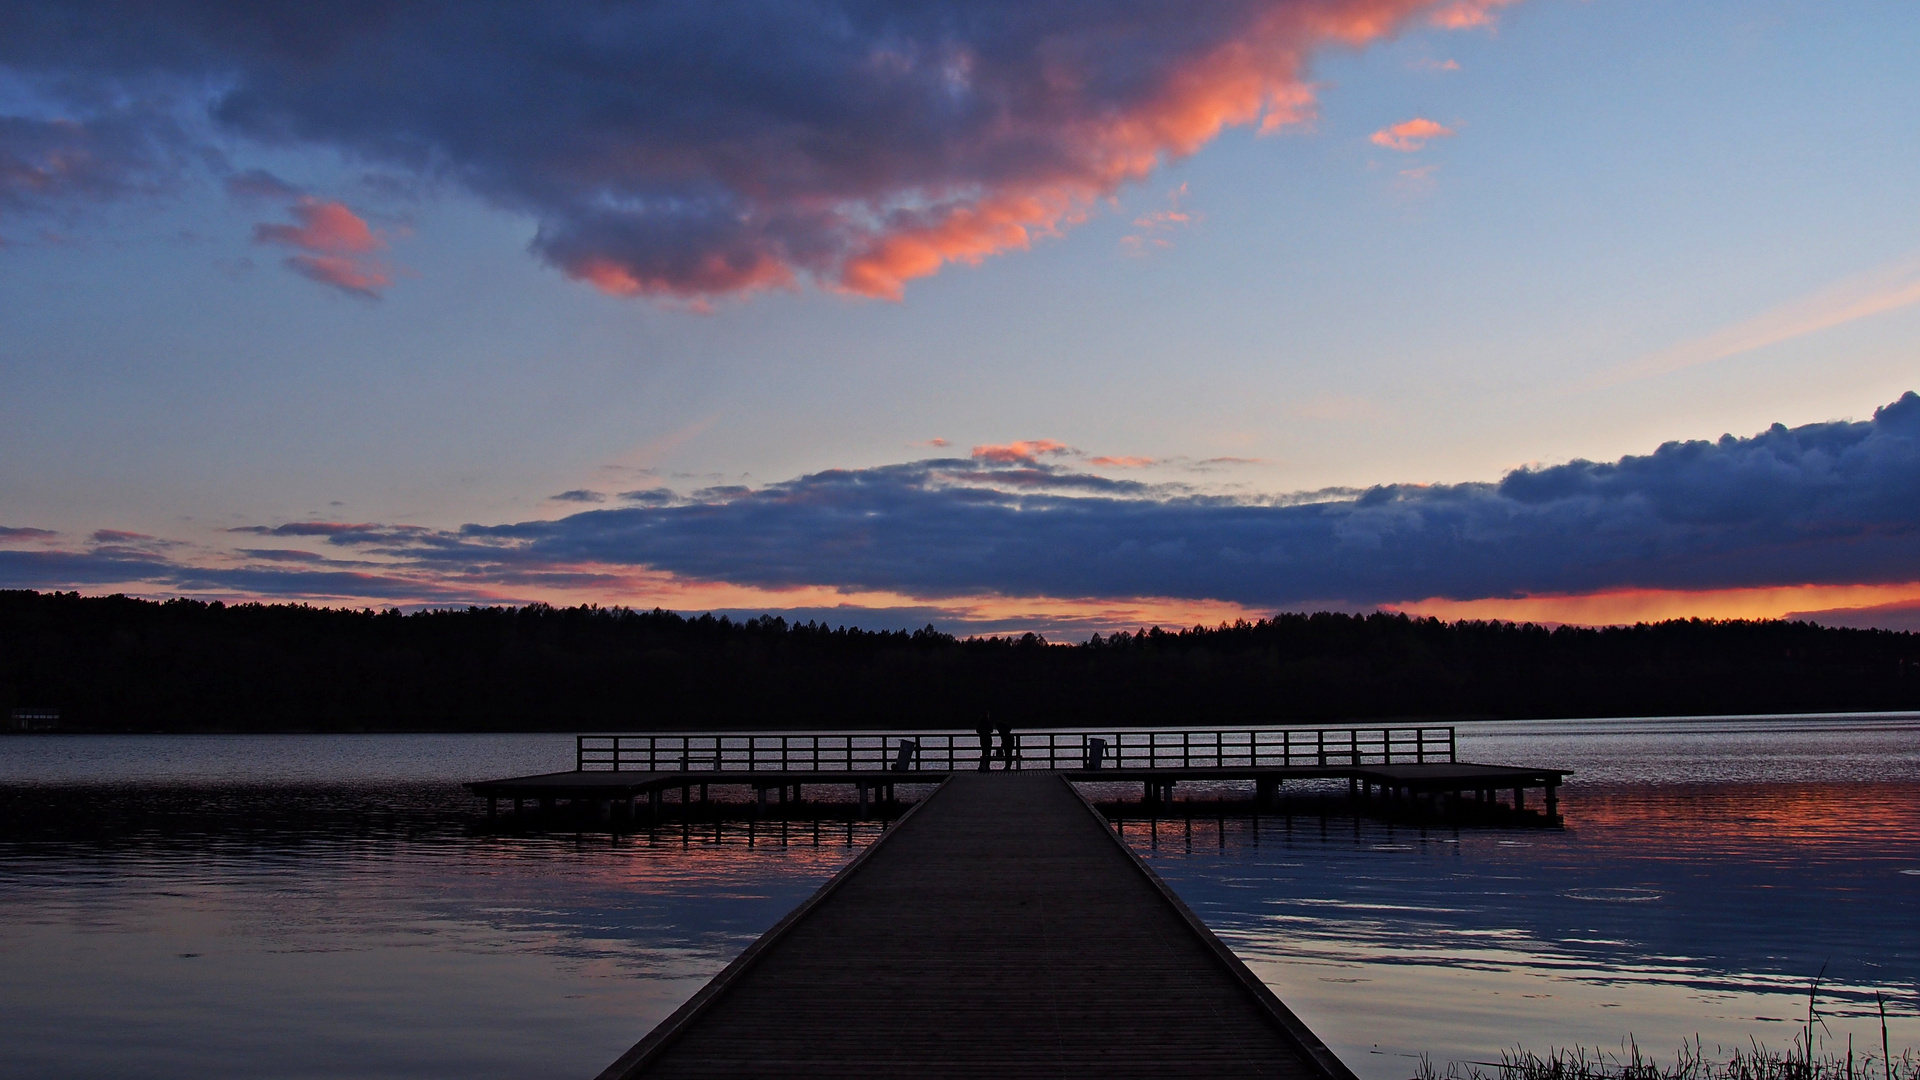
(316, 905)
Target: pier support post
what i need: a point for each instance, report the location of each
(1263, 791)
(1553, 799)
(863, 799)
(493, 806)
(1519, 798)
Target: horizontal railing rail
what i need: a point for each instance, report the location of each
(945, 751)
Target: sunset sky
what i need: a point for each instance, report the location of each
(1064, 316)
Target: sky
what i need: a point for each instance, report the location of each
(1061, 316)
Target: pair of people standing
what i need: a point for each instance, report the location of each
(1008, 751)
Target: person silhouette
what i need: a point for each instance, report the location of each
(1008, 749)
(986, 742)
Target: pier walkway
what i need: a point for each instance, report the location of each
(999, 929)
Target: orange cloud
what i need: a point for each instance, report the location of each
(959, 233)
(1122, 462)
(323, 227)
(1467, 14)
(709, 274)
(348, 275)
(1257, 78)
(1156, 227)
(1025, 450)
(1436, 65)
(336, 246)
(1410, 135)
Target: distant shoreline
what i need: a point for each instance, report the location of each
(118, 664)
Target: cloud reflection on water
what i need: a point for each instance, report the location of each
(1661, 912)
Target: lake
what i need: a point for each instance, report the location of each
(318, 906)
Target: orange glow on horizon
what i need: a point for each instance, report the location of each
(1625, 606)
(1061, 618)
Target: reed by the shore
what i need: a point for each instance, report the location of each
(1692, 1062)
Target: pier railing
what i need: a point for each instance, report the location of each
(945, 751)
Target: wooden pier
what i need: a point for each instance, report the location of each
(632, 775)
(999, 929)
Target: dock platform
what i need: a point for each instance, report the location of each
(998, 929)
(1397, 766)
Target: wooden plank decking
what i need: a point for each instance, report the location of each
(998, 930)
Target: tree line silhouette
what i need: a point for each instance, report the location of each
(116, 663)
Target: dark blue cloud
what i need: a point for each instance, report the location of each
(49, 164)
(118, 569)
(1835, 503)
(1900, 616)
(1825, 503)
(692, 148)
(344, 533)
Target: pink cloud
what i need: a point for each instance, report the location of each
(336, 246)
(1430, 64)
(348, 275)
(1410, 135)
(1467, 14)
(1122, 462)
(992, 194)
(1156, 228)
(1025, 451)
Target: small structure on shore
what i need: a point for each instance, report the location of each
(33, 720)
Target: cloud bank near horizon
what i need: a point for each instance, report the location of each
(1830, 503)
(679, 149)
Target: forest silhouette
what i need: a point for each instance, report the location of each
(116, 663)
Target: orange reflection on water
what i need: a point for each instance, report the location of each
(1735, 818)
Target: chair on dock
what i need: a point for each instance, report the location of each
(908, 757)
(1096, 753)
